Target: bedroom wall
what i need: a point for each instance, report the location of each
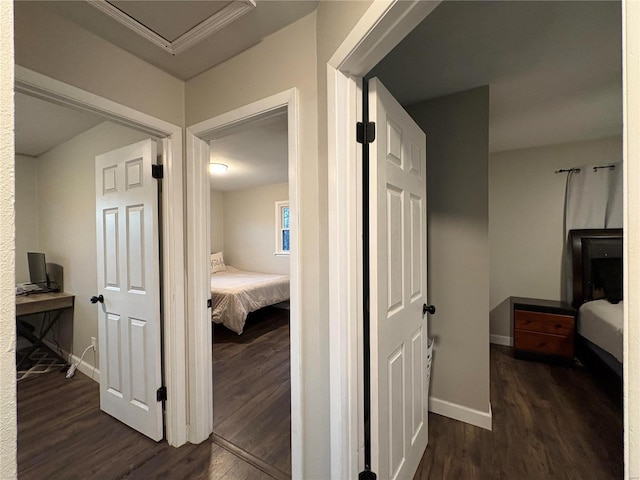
(27, 217)
(216, 200)
(249, 229)
(526, 214)
(457, 129)
(66, 205)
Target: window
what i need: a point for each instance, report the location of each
(282, 228)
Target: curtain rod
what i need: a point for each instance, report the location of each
(577, 170)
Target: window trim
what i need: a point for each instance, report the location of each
(280, 252)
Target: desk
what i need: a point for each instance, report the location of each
(50, 302)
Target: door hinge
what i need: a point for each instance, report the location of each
(157, 171)
(161, 394)
(365, 133)
(209, 304)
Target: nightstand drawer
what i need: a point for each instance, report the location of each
(543, 322)
(544, 343)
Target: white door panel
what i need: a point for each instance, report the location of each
(398, 288)
(129, 281)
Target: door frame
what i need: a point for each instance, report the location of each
(199, 321)
(379, 30)
(46, 88)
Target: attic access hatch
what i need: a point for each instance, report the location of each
(171, 26)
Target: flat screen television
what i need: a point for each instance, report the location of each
(38, 269)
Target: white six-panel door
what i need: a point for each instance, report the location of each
(129, 281)
(398, 288)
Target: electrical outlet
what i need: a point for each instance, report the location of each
(93, 343)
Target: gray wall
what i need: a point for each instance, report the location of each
(216, 199)
(243, 227)
(526, 211)
(457, 131)
(27, 217)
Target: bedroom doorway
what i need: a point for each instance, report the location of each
(247, 169)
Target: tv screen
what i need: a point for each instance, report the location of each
(37, 268)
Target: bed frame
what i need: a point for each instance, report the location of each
(586, 246)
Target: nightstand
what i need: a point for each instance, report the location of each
(543, 329)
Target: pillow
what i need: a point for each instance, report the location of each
(217, 263)
(607, 275)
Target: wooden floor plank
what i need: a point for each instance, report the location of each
(252, 387)
(549, 421)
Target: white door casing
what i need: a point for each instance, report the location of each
(129, 320)
(398, 265)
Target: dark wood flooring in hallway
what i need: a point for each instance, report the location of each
(549, 422)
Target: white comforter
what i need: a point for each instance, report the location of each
(601, 323)
(235, 293)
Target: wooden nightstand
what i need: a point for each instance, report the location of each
(543, 328)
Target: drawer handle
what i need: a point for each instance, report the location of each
(558, 325)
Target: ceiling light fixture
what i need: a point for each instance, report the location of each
(218, 168)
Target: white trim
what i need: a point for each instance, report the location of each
(459, 412)
(52, 90)
(188, 39)
(200, 349)
(380, 29)
(83, 367)
(200, 362)
(501, 340)
(89, 370)
(631, 255)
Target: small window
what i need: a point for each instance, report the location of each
(283, 234)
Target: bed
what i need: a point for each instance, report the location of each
(235, 293)
(597, 295)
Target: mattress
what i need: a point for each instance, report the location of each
(235, 293)
(600, 322)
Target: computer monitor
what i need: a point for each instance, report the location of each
(38, 269)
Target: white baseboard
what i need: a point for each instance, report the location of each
(86, 368)
(501, 340)
(461, 413)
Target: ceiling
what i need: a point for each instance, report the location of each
(256, 154)
(554, 68)
(166, 21)
(42, 125)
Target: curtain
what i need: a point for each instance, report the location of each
(593, 199)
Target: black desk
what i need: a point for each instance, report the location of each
(51, 302)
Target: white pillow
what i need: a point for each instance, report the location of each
(217, 263)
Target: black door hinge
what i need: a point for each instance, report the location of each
(365, 133)
(161, 394)
(209, 305)
(157, 171)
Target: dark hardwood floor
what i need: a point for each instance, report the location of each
(252, 388)
(62, 434)
(549, 422)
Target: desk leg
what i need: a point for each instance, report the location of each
(36, 341)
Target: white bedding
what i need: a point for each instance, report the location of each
(235, 293)
(601, 323)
